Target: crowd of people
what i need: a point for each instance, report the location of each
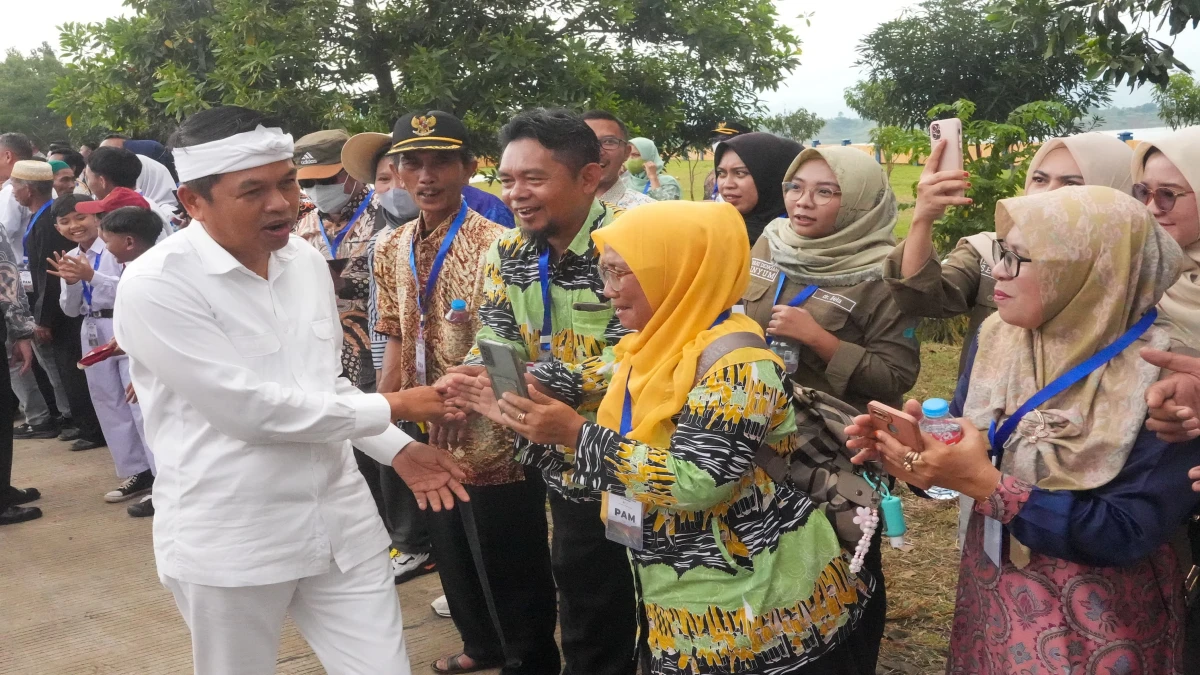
(276, 317)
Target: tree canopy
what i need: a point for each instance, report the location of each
(947, 50)
(671, 68)
(1179, 101)
(25, 84)
(799, 125)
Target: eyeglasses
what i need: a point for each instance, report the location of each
(309, 182)
(613, 143)
(1164, 197)
(821, 195)
(1007, 258)
(612, 276)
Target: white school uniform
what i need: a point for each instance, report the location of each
(121, 421)
(259, 506)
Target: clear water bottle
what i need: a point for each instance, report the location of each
(788, 351)
(458, 311)
(936, 422)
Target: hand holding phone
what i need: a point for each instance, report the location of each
(901, 426)
(505, 369)
(949, 130)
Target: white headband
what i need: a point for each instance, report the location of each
(246, 150)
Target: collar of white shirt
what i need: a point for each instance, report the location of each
(216, 260)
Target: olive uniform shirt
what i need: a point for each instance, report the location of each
(879, 357)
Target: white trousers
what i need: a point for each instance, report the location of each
(351, 620)
(121, 421)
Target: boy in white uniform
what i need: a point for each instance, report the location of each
(89, 276)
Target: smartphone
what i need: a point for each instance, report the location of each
(900, 425)
(101, 353)
(952, 157)
(504, 367)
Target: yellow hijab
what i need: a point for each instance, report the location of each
(692, 260)
(1180, 307)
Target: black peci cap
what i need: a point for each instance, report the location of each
(434, 130)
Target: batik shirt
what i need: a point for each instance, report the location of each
(487, 453)
(738, 574)
(355, 294)
(512, 313)
(623, 196)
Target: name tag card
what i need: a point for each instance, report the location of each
(623, 523)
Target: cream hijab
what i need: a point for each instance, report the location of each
(863, 232)
(1180, 307)
(1103, 160)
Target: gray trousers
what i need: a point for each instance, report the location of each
(33, 404)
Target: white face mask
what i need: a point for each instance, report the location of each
(330, 199)
(399, 204)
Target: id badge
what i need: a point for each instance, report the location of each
(93, 336)
(544, 354)
(421, 357)
(965, 507)
(993, 539)
(624, 521)
(27, 280)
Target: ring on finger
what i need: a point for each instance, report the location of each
(912, 457)
(521, 418)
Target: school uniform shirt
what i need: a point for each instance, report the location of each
(511, 313)
(103, 283)
(487, 454)
(879, 357)
(355, 295)
(238, 379)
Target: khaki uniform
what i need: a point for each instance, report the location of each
(879, 357)
(961, 284)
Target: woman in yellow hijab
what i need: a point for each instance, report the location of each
(738, 574)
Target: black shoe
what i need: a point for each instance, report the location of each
(142, 509)
(47, 430)
(68, 433)
(19, 496)
(134, 486)
(85, 444)
(19, 514)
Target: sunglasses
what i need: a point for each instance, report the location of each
(1164, 197)
(309, 182)
(1007, 258)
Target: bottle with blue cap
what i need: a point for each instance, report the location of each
(936, 422)
(458, 311)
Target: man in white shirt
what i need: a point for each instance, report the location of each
(232, 331)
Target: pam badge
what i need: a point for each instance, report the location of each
(623, 520)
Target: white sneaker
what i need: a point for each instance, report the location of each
(407, 566)
(441, 607)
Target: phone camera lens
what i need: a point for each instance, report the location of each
(937, 132)
(892, 428)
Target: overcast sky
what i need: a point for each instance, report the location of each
(826, 66)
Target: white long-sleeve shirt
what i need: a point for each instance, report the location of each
(103, 283)
(239, 383)
(14, 218)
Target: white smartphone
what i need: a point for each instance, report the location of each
(504, 367)
(952, 157)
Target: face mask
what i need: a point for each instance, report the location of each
(635, 165)
(330, 199)
(399, 204)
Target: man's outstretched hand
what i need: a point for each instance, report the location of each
(432, 475)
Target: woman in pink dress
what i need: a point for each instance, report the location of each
(1066, 566)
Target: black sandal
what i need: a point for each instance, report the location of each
(454, 665)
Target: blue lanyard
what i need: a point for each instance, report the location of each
(337, 241)
(646, 190)
(29, 228)
(544, 278)
(800, 298)
(87, 288)
(999, 438)
(627, 409)
(423, 296)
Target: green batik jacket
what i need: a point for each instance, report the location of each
(511, 313)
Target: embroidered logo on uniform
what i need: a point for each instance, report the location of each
(985, 269)
(835, 299)
(423, 125)
(307, 159)
(762, 269)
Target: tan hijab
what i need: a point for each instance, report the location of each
(1103, 263)
(1103, 160)
(1180, 307)
(862, 235)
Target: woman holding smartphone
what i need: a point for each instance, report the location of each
(750, 168)
(738, 574)
(962, 283)
(1066, 565)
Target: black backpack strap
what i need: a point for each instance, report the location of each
(722, 347)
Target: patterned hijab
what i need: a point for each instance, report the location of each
(692, 260)
(1180, 307)
(862, 235)
(1103, 263)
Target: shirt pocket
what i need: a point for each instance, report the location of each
(317, 363)
(589, 327)
(832, 317)
(325, 329)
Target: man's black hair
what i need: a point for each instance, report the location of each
(65, 205)
(120, 166)
(560, 131)
(605, 115)
(72, 158)
(59, 146)
(116, 135)
(211, 125)
(17, 144)
(143, 225)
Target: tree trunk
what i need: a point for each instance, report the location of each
(370, 51)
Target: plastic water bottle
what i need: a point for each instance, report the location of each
(458, 311)
(936, 422)
(788, 351)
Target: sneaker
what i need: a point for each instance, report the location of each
(407, 566)
(85, 444)
(441, 607)
(47, 430)
(142, 509)
(134, 486)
